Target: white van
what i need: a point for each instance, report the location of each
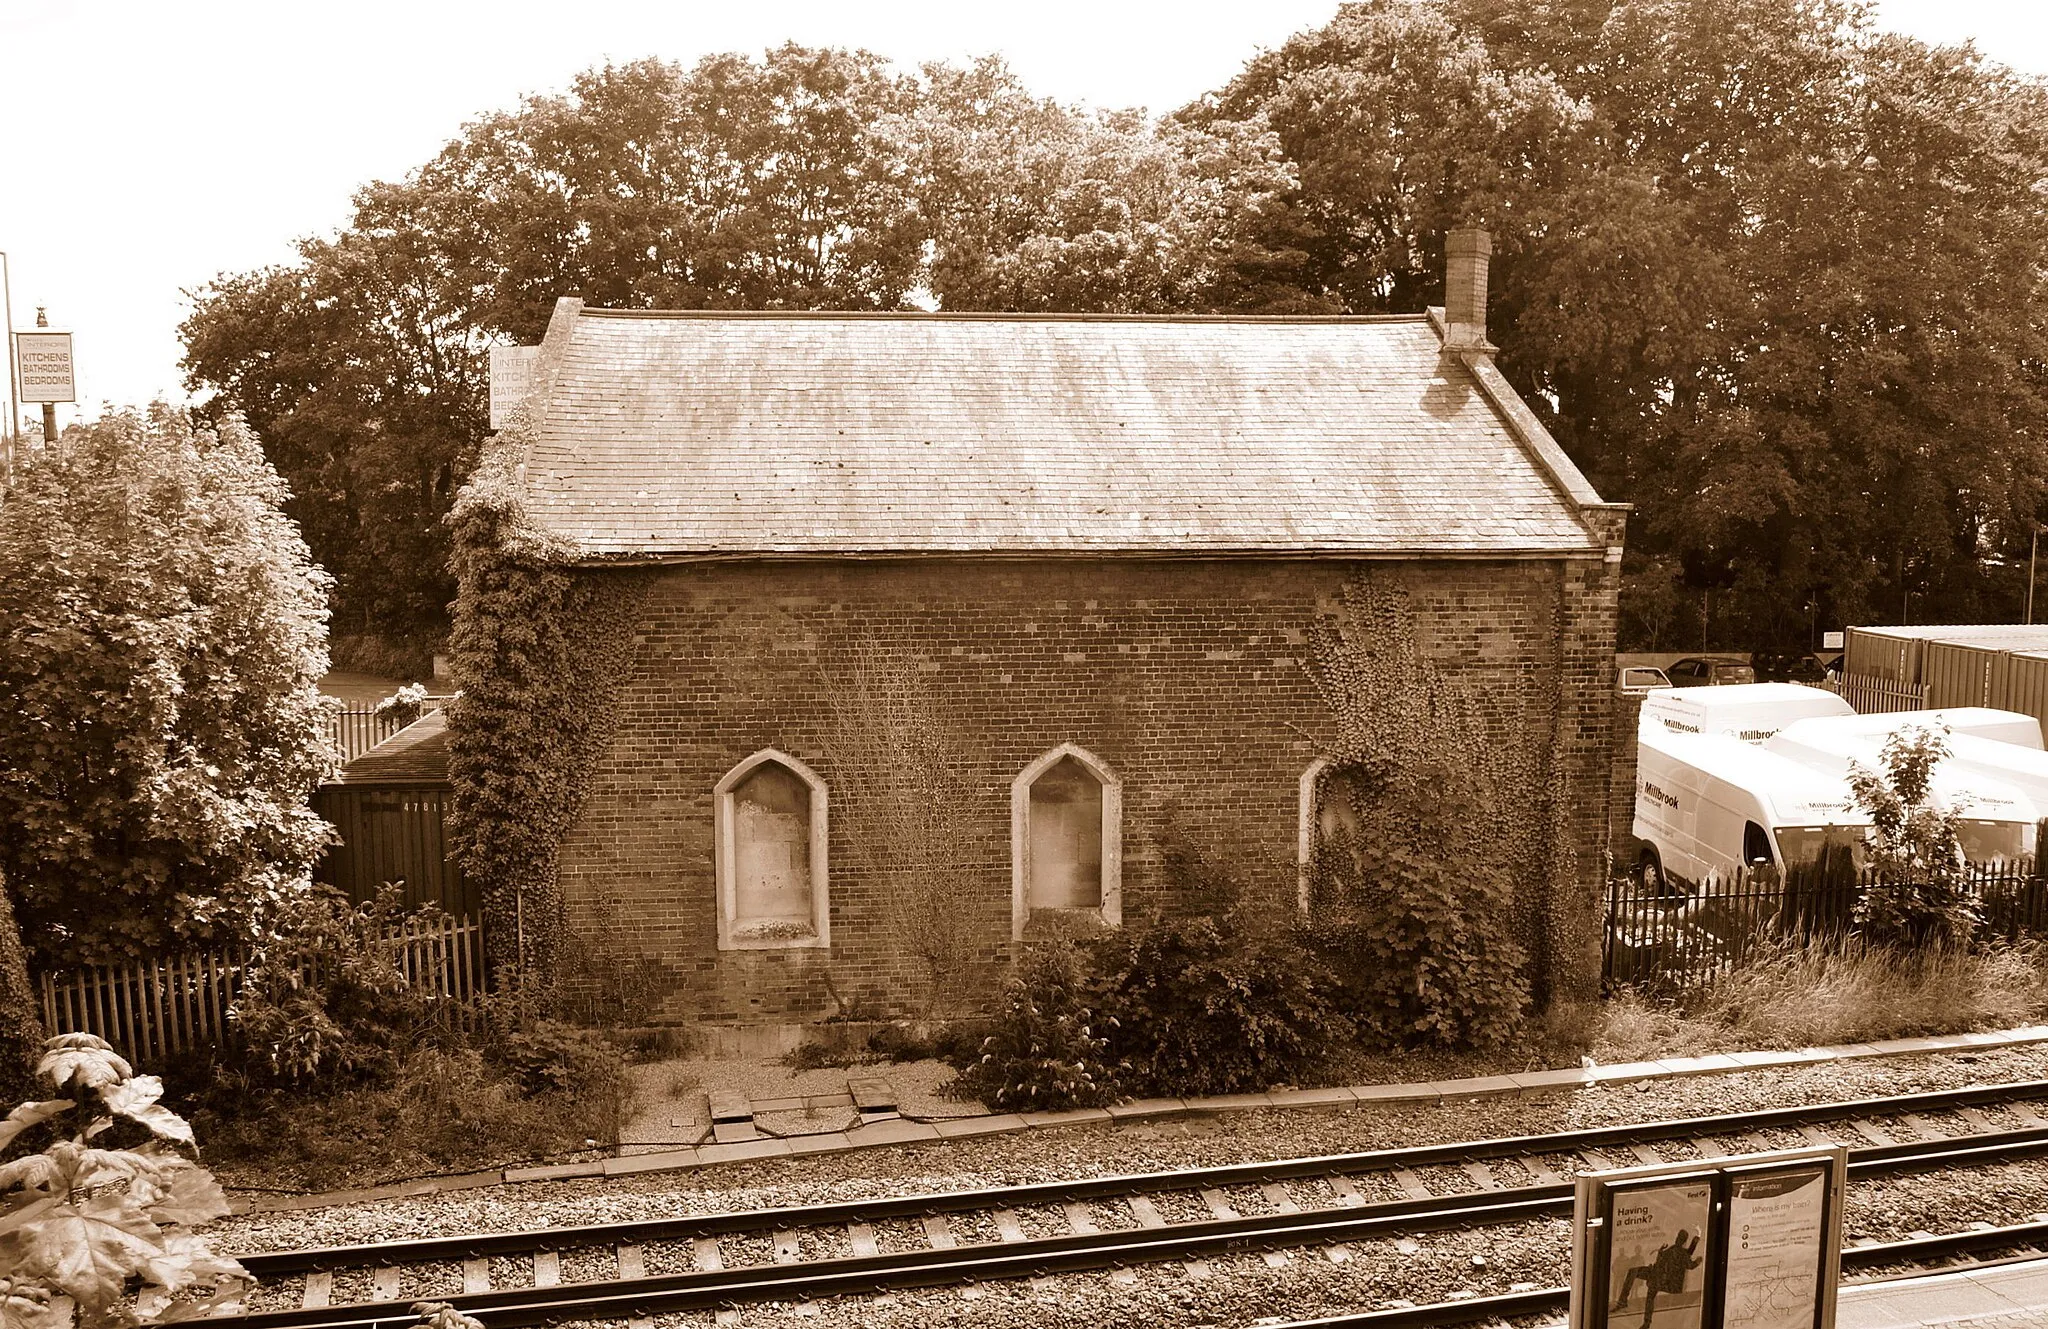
(1748, 711)
(1996, 819)
(1983, 722)
(1708, 805)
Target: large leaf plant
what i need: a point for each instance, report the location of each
(100, 1235)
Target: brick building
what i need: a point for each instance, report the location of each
(1096, 543)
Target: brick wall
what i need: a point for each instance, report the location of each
(1184, 676)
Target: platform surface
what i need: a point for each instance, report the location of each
(2011, 1296)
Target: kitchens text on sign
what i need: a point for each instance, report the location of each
(45, 366)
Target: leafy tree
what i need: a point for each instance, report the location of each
(1920, 893)
(1770, 274)
(113, 1227)
(1038, 207)
(161, 638)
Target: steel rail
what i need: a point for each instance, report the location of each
(640, 1297)
(642, 1231)
(1556, 1300)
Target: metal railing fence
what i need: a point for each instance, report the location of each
(1674, 937)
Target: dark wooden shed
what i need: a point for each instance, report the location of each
(390, 808)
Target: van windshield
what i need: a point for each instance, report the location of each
(1802, 844)
(1992, 841)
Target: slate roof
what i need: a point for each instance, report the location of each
(415, 755)
(664, 434)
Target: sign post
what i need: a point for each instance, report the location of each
(46, 370)
(511, 379)
(1752, 1242)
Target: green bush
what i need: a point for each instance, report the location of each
(1043, 1052)
(549, 1056)
(1216, 1005)
(1413, 916)
(326, 997)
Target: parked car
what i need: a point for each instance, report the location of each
(1707, 671)
(1638, 680)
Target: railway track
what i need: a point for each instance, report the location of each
(630, 1271)
(1945, 1253)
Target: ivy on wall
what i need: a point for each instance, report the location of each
(1438, 829)
(538, 649)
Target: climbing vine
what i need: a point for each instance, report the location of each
(1432, 830)
(538, 648)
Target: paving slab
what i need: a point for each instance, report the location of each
(1397, 1093)
(895, 1131)
(955, 1128)
(1576, 1077)
(1713, 1061)
(827, 1142)
(1341, 1096)
(1478, 1086)
(1627, 1070)
(1072, 1117)
(1147, 1107)
(556, 1171)
(742, 1152)
(656, 1162)
(1231, 1102)
(469, 1181)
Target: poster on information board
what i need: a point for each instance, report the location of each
(1778, 1265)
(1658, 1247)
(1747, 1242)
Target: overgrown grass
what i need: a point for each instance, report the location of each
(1816, 997)
(445, 1112)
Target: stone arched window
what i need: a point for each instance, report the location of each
(1066, 839)
(771, 855)
(1329, 821)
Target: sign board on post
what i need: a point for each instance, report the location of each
(511, 377)
(45, 366)
(1831, 641)
(1730, 1243)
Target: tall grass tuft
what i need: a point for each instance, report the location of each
(1810, 997)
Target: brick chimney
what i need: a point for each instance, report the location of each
(1466, 253)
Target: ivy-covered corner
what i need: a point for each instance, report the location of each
(538, 650)
(1439, 850)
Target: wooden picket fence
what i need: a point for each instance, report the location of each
(158, 1007)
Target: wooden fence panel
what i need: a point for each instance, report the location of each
(159, 1007)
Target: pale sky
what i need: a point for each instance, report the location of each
(147, 145)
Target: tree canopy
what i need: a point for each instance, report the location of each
(161, 639)
(1770, 274)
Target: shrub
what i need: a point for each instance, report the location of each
(326, 996)
(1920, 895)
(1043, 1052)
(112, 1227)
(1208, 1005)
(1414, 917)
(403, 706)
(550, 1056)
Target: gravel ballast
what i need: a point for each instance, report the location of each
(1049, 1155)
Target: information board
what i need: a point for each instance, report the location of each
(511, 379)
(1750, 1242)
(44, 360)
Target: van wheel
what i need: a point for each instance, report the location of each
(1651, 872)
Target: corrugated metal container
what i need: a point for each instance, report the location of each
(2026, 685)
(1892, 654)
(1960, 674)
(1897, 654)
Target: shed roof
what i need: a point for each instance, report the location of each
(415, 755)
(691, 434)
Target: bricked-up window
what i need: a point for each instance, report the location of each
(1066, 815)
(771, 855)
